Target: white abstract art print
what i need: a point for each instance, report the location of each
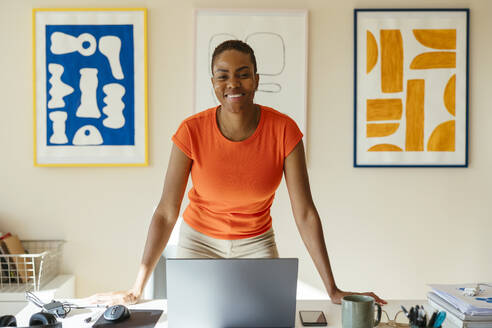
(279, 40)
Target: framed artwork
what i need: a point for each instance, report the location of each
(90, 87)
(411, 87)
(279, 40)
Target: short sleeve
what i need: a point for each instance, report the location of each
(292, 136)
(182, 139)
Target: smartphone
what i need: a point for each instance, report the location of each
(313, 318)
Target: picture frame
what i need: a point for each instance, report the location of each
(90, 86)
(411, 87)
(279, 39)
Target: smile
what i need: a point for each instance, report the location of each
(237, 95)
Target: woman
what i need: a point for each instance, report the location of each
(237, 154)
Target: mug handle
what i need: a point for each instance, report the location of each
(378, 320)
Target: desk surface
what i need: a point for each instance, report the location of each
(332, 312)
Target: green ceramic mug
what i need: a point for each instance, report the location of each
(358, 312)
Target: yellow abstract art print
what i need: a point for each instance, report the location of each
(411, 87)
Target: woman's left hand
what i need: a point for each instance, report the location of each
(339, 294)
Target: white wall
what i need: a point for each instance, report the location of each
(391, 230)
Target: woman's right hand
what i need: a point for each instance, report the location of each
(125, 297)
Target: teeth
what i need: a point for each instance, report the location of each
(234, 96)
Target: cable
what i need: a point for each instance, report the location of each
(34, 299)
(59, 309)
(75, 306)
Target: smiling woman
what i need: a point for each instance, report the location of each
(236, 154)
(235, 82)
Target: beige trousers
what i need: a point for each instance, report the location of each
(194, 244)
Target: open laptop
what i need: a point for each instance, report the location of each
(227, 293)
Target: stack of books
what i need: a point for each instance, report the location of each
(12, 269)
(463, 311)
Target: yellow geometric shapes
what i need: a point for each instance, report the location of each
(391, 61)
(385, 147)
(384, 109)
(381, 130)
(436, 39)
(450, 95)
(435, 59)
(443, 137)
(372, 52)
(415, 115)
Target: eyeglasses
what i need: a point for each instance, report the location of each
(392, 323)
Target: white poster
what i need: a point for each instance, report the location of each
(279, 40)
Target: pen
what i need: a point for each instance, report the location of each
(89, 306)
(440, 319)
(420, 317)
(432, 319)
(404, 311)
(418, 314)
(415, 316)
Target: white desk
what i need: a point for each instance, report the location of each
(332, 312)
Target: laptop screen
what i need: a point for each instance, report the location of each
(231, 292)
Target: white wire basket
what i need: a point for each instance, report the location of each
(30, 271)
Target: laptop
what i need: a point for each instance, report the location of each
(231, 293)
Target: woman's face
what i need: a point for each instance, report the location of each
(234, 80)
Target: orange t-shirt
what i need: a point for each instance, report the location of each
(234, 183)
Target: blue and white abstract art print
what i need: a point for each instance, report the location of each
(90, 90)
